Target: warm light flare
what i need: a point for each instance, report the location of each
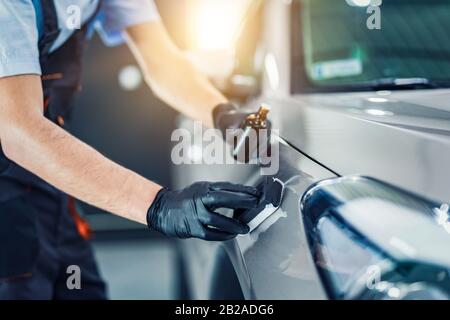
(217, 22)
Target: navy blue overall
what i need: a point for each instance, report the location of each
(40, 233)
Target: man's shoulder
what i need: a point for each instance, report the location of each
(18, 39)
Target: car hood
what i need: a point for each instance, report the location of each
(401, 137)
(423, 110)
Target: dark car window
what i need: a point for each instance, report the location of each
(339, 49)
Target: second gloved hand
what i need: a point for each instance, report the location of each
(234, 123)
(190, 212)
(227, 116)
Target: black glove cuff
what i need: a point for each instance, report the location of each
(152, 215)
(221, 110)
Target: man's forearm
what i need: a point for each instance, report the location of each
(77, 169)
(185, 89)
(171, 76)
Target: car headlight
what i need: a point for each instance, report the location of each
(371, 240)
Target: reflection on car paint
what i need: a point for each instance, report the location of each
(443, 216)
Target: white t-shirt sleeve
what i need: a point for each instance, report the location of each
(19, 53)
(116, 15)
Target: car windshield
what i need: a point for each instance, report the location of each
(400, 43)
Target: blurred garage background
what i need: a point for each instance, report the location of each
(117, 114)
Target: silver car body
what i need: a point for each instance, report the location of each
(399, 137)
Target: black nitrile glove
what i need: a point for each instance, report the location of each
(228, 116)
(190, 212)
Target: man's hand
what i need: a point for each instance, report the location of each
(228, 116)
(190, 212)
